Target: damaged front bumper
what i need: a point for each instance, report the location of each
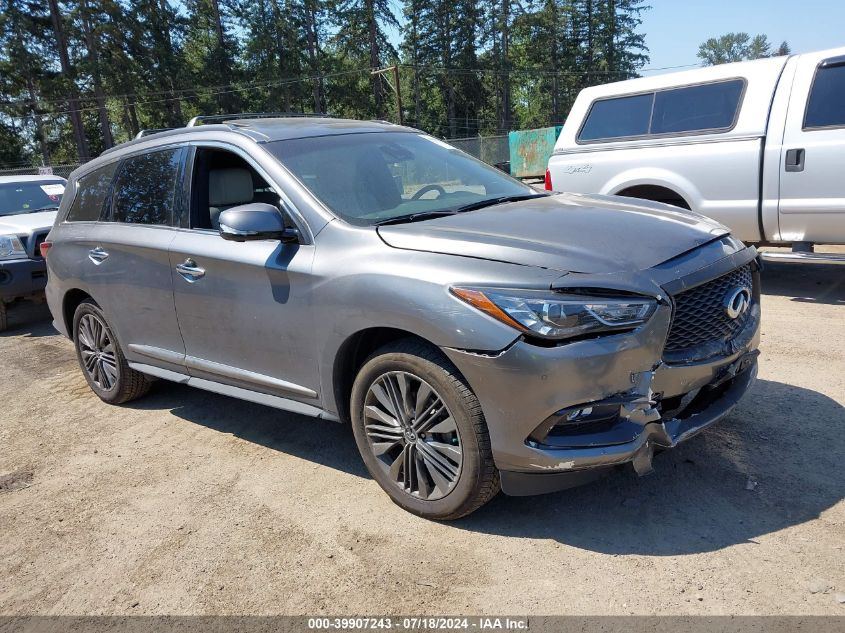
(582, 464)
(559, 416)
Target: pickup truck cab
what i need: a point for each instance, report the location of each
(758, 146)
(28, 206)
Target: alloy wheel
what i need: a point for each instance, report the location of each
(97, 351)
(413, 435)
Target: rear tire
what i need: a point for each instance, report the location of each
(421, 432)
(101, 359)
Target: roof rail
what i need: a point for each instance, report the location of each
(222, 118)
(155, 130)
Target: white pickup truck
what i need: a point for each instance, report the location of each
(27, 211)
(758, 146)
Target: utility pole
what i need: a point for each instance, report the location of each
(396, 89)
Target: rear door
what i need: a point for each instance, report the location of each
(812, 161)
(130, 262)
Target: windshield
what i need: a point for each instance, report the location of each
(374, 177)
(30, 196)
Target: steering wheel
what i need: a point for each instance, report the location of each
(424, 190)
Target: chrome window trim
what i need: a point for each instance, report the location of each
(643, 143)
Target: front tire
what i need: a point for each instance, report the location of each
(101, 359)
(421, 432)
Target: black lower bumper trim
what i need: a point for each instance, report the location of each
(22, 278)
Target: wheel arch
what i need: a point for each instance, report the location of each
(350, 356)
(662, 184)
(70, 302)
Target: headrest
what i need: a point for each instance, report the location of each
(232, 185)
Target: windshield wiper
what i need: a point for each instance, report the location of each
(472, 206)
(415, 217)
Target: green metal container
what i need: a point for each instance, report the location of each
(530, 151)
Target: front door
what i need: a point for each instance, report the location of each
(243, 308)
(812, 169)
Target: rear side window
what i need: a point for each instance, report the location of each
(826, 105)
(616, 118)
(145, 189)
(696, 108)
(702, 108)
(92, 189)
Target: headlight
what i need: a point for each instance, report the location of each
(11, 247)
(556, 316)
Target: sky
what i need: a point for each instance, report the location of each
(675, 28)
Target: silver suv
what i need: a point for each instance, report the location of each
(476, 333)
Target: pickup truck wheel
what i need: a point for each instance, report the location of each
(421, 432)
(101, 359)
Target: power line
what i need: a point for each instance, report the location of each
(192, 93)
(204, 93)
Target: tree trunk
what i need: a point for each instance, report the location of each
(505, 122)
(99, 94)
(375, 61)
(130, 116)
(313, 44)
(73, 93)
(39, 123)
(227, 100)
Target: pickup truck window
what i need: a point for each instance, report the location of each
(91, 192)
(701, 108)
(826, 105)
(618, 118)
(696, 108)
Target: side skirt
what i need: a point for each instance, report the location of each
(235, 392)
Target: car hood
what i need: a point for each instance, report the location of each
(566, 232)
(26, 223)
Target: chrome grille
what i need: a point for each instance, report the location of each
(700, 317)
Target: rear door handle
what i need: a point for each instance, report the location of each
(98, 255)
(795, 159)
(190, 271)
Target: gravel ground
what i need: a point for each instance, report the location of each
(187, 502)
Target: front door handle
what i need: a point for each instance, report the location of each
(190, 271)
(795, 159)
(98, 255)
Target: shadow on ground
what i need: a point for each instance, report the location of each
(771, 465)
(29, 319)
(786, 440)
(321, 441)
(806, 283)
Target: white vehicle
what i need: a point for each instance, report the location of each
(28, 207)
(758, 146)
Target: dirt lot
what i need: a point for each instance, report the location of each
(187, 502)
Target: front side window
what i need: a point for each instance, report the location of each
(372, 177)
(826, 105)
(30, 196)
(145, 189)
(696, 108)
(91, 192)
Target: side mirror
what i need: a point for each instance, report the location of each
(255, 221)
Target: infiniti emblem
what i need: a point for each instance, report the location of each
(736, 302)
